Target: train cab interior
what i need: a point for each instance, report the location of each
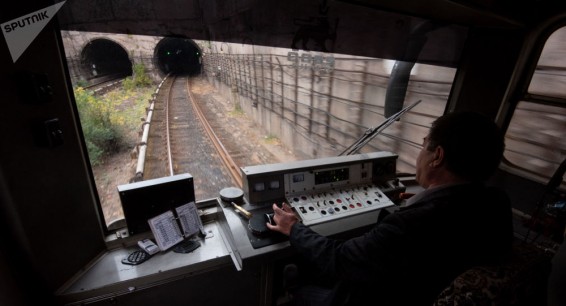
(341, 84)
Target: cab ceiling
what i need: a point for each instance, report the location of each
(360, 27)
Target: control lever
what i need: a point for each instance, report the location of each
(246, 213)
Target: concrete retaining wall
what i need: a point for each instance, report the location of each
(318, 112)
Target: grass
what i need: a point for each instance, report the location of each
(271, 139)
(237, 112)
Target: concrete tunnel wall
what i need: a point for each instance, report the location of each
(178, 55)
(139, 49)
(102, 57)
(318, 112)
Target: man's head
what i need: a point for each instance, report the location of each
(462, 146)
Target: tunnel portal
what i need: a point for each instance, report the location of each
(103, 57)
(178, 56)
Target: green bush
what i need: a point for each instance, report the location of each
(109, 122)
(128, 83)
(94, 153)
(82, 83)
(138, 79)
(99, 128)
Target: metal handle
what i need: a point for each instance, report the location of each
(245, 212)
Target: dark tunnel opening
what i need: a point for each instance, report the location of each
(103, 57)
(178, 56)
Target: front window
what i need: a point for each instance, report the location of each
(311, 96)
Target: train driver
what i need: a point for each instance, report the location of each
(411, 255)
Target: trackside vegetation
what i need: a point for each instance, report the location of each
(111, 122)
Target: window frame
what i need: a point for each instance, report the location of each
(517, 91)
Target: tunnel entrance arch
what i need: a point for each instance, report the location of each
(104, 58)
(178, 56)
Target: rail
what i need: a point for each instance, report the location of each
(106, 83)
(222, 151)
(170, 131)
(142, 146)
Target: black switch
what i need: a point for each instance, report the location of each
(54, 132)
(48, 133)
(35, 88)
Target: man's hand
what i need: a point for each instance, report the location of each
(284, 219)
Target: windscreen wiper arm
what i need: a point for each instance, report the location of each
(372, 132)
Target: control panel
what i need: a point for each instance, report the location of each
(326, 189)
(338, 203)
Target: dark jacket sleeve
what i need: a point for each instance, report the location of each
(357, 259)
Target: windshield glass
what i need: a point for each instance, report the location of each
(279, 82)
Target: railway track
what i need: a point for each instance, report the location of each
(219, 142)
(181, 141)
(102, 85)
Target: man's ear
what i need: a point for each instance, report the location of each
(438, 157)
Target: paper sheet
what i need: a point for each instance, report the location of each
(190, 219)
(165, 230)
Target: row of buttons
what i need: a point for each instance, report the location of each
(334, 204)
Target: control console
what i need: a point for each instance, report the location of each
(326, 189)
